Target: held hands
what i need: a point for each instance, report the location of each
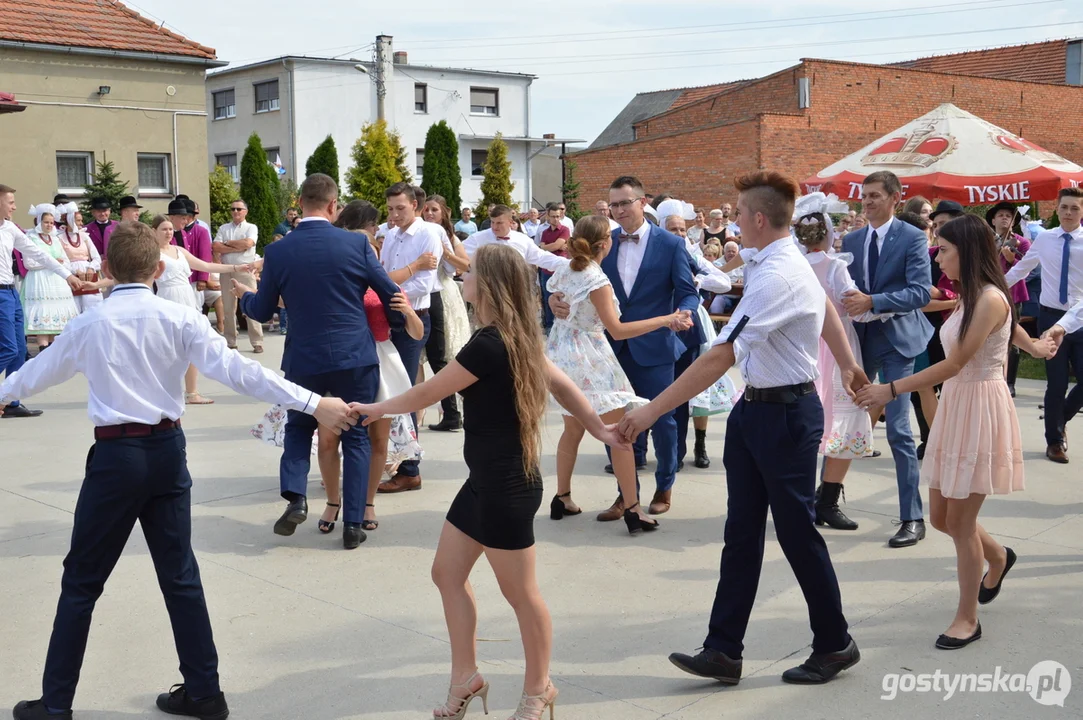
(1047, 345)
(614, 439)
(680, 321)
(76, 284)
(853, 380)
(335, 414)
(1054, 334)
(370, 413)
(239, 290)
(873, 396)
(856, 302)
(637, 421)
(560, 308)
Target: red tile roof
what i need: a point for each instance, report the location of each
(101, 24)
(1034, 62)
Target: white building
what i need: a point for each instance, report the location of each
(293, 103)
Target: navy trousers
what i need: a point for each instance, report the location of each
(144, 479)
(649, 382)
(680, 413)
(410, 352)
(770, 460)
(547, 312)
(1059, 409)
(12, 334)
(355, 385)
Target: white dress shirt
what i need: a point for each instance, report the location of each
(134, 349)
(12, 238)
(1073, 319)
(521, 244)
(881, 233)
(1048, 250)
(238, 231)
(781, 316)
(404, 245)
(530, 228)
(630, 256)
(567, 223)
(713, 279)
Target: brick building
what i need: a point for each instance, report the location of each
(692, 142)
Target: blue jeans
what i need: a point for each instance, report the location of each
(547, 312)
(410, 352)
(879, 354)
(12, 334)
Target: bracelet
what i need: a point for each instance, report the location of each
(893, 393)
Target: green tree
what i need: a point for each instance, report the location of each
(374, 165)
(496, 185)
(259, 187)
(570, 190)
(324, 160)
(287, 195)
(223, 193)
(442, 175)
(107, 184)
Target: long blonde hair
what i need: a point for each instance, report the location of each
(505, 300)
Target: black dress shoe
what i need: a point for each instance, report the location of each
(820, 668)
(945, 642)
(988, 595)
(921, 451)
(352, 535)
(35, 710)
(448, 423)
(709, 664)
(178, 702)
(680, 465)
(296, 513)
(910, 531)
(20, 411)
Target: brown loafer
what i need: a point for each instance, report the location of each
(660, 502)
(615, 511)
(1056, 454)
(400, 483)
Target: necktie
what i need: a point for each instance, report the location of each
(1065, 261)
(874, 257)
(634, 238)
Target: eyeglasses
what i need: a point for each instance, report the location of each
(622, 204)
(237, 209)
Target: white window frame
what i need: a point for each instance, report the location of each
(419, 161)
(273, 103)
(483, 112)
(88, 158)
(425, 99)
(235, 173)
(230, 111)
(167, 173)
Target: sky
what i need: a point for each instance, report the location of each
(592, 56)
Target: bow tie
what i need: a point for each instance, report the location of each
(634, 237)
(503, 238)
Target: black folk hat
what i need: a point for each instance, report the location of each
(129, 202)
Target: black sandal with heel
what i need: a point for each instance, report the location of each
(557, 508)
(636, 523)
(370, 524)
(324, 526)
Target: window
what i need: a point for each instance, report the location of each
(272, 154)
(229, 162)
(73, 171)
(484, 101)
(154, 174)
(266, 96)
(420, 162)
(477, 162)
(421, 98)
(225, 104)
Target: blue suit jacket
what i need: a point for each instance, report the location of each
(322, 273)
(664, 284)
(902, 285)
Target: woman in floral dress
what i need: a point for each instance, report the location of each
(578, 346)
(48, 304)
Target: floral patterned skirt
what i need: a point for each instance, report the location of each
(847, 428)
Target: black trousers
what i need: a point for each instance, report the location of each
(144, 479)
(436, 349)
(1059, 409)
(770, 459)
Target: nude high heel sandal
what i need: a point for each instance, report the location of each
(527, 710)
(455, 707)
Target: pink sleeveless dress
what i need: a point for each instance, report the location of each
(974, 444)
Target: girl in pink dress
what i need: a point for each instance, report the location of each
(974, 447)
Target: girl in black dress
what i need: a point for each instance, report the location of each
(505, 380)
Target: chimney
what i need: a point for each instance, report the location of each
(549, 136)
(399, 57)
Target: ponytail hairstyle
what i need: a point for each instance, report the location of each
(590, 236)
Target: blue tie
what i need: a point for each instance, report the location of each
(874, 257)
(1065, 260)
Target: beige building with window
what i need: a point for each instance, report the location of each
(99, 82)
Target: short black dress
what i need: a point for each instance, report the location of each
(497, 504)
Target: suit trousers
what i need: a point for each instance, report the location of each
(12, 334)
(770, 460)
(436, 348)
(229, 301)
(547, 312)
(410, 352)
(649, 382)
(680, 413)
(354, 385)
(129, 479)
(1059, 409)
(879, 354)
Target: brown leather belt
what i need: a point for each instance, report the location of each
(133, 430)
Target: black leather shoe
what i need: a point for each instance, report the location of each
(296, 513)
(827, 508)
(178, 702)
(35, 710)
(709, 664)
(819, 669)
(701, 460)
(352, 535)
(448, 423)
(639, 466)
(909, 533)
(946, 642)
(680, 465)
(988, 595)
(921, 451)
(20, 411)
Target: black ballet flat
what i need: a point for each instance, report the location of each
(369, 525)
(945, 642)
(988, 595)
(557, 508)
(327, 527)
(636, 523)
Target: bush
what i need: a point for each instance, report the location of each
(259, 187)
(374, 167)
(442, 175)
(223, 193)
(496, 185)
(324, 160)
(570, 191)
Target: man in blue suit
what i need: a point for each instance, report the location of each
(892, 271)
(651, 276)
(321, 273)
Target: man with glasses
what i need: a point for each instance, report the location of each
(235, 243)
(563, 219)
